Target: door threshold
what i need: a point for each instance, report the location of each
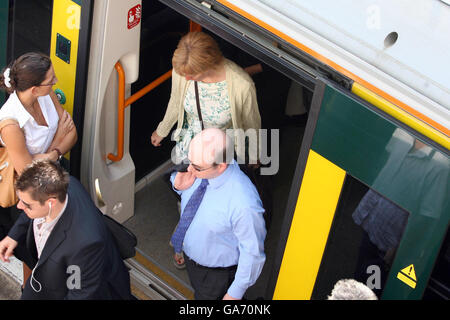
(149, 281)
(152, 176)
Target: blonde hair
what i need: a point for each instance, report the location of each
(196, 53)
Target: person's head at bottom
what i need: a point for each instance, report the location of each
(349, 289)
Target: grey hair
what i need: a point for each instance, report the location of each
(349, 289)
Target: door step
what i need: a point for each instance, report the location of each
(151, 282)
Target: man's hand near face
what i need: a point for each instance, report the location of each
(183, 180)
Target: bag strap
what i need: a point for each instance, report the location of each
(6, 122)
(199, 112)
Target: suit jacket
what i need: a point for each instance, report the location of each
(80, 259)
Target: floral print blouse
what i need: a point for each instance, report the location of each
(215, 108)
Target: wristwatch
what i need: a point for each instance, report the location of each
(59, 153)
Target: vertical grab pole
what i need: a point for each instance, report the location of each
(120, 115)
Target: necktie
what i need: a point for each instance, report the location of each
(187, 216)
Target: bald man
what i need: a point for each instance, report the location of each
(224, 243)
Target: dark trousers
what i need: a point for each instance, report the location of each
(209, 283)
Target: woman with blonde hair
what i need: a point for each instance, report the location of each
(227, 94)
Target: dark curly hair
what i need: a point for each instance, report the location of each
(26, 71)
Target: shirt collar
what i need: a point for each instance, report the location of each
(22, 114)
(220, 180)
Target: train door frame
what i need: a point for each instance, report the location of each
(111, 184)
(84, 45)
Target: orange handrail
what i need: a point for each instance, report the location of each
(122, 104)
(194, 26)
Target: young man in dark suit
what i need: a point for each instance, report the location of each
(74, 252)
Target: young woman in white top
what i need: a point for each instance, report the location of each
(44, 129)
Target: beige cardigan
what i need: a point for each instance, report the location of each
(242, 97)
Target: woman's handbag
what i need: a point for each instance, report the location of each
(8, 195)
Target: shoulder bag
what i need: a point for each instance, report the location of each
(8, 195)
(125, 240)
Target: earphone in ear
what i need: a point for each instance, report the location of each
(49, 209)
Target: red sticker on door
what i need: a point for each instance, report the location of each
(134, 16)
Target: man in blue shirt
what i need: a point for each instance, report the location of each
(224, 243)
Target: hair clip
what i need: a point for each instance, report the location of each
(7, 78)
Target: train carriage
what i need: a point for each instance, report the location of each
(361, 191)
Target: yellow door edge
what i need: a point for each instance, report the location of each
(314, 212)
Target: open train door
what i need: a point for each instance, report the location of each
(370, 201)
(115, 37)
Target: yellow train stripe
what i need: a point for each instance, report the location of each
(314, 213)
(400, 115)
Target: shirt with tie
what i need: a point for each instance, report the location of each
(228, 228)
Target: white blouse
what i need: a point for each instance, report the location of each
(38, 138)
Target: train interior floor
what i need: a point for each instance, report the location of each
(156, 215)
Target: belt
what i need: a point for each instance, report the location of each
(230, 268)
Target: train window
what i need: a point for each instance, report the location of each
(366, 231)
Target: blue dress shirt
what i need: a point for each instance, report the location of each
(228, 228)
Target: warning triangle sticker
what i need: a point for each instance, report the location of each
(410, 272)
(408, 276)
